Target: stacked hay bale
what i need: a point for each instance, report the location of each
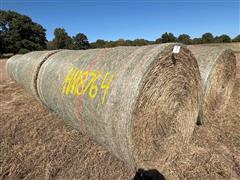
(141, 103)
(218, 72)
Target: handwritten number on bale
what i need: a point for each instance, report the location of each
(106, 85)
(93, 90)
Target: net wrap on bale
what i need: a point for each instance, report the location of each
(218, 72)
(25, 68)
(141, 103)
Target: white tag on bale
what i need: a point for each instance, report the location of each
(176, 49)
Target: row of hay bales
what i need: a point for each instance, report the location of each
(141, 103)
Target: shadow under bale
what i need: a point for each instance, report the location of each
(151, 174)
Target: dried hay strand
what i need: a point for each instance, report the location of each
(218, 72)
(151, 98)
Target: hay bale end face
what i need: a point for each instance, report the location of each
(218, 72)
(141, 103)
(11, 66)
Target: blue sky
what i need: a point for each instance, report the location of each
(111, 20)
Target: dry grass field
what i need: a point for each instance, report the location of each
(35, 143)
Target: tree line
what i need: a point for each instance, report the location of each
(19, 34)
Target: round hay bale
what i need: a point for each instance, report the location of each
(151, 105)
(141, 103)
(11, 66)
(24, 69)
(218, 72)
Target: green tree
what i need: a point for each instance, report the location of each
(50, 45)
(62, 40)
(158, 41)
(120, 42)
(236, 39)
(168, 37)
(197, 41)
(80, 41)
(128, 43)
(207, 38)
(110, 44)
(2, 48)
(222, 39)
(184, 38)
(99, 44)
(18, 33)
(140, 42)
